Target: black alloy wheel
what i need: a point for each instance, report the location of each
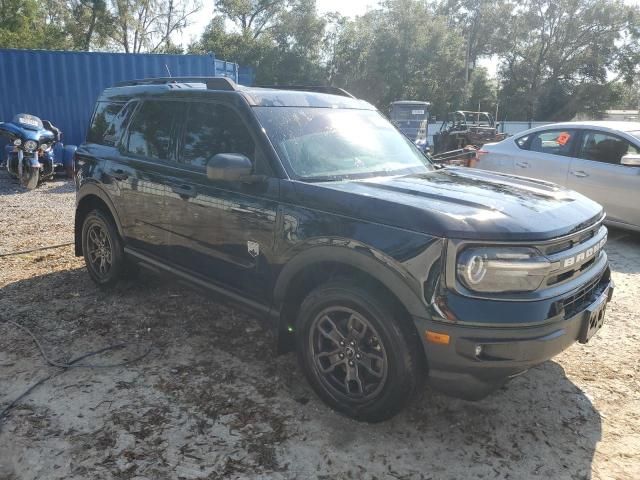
(99, 249)
(360, 355)
(351, 361)
(102, 249)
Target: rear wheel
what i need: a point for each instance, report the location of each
(102, 248)
(357, 355)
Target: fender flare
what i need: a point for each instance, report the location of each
(374, 264)
(93, 189)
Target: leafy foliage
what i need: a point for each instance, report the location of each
(556, 57)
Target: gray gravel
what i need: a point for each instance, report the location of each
(212, 400)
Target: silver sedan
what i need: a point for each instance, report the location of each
(598, 159)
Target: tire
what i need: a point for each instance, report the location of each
(103, 249)
(384, 356)
(30, 178)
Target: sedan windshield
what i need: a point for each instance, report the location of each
(319, 144)
(635, 133)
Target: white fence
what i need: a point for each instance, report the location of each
(512, 128)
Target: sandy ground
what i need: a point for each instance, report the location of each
(211, 400)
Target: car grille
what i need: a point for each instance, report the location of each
(569, 242)
(582, 249)
(581, 299)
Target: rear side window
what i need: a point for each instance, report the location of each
(118, 124)
(104, 114)
(151, 131)
(523, 141)
(211, 129)
(605, 148)
(554, 142)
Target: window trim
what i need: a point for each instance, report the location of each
(573, 150)
(125, 127)
(586, 131)
(124, 147)
(106, 103)
(181, 132)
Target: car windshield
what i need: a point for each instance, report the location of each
(635, 133)
(320, 144)
(409, 112)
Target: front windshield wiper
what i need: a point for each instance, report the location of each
(357, 176)
(324, 178)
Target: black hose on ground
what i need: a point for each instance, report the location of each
(64, 365)
(22, 252)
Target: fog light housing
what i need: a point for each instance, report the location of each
(478, 350)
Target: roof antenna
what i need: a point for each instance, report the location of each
(168, 71)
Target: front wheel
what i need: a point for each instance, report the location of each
(30, 177)
(358, 356)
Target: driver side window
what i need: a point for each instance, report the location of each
(211, 129)
(605, 148)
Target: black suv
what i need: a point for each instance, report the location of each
(309, 208)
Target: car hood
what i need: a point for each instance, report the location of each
(459, 203)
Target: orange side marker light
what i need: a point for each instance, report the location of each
(438, 338)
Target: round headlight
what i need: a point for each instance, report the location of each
(17, 142)
(502, 269)
(476, 269)
(30, 145)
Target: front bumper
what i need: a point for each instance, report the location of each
(457, 368)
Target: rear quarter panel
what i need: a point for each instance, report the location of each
(499, 156)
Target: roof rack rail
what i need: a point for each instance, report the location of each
(312, 88)
(212, 83)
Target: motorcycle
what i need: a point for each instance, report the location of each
(36, 152)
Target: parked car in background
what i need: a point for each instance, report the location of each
(312, 210)
(598, 159)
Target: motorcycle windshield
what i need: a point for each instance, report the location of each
(29, 121)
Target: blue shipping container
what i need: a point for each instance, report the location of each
(63, 86)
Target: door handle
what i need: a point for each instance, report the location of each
(580, 173)
(185, 191)
(523, 164)
(119, 174)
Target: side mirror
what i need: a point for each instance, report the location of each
(631, 160)
(229, 167)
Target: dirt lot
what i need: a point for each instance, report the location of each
(211, 400)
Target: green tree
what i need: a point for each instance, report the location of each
(90, 24)
(280, 39)
(147, 25)
(559, 54)
(483, 27)
(403, 51)
(482, 91)
(29, 24)
(253, 17)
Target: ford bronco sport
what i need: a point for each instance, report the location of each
(312, 210)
